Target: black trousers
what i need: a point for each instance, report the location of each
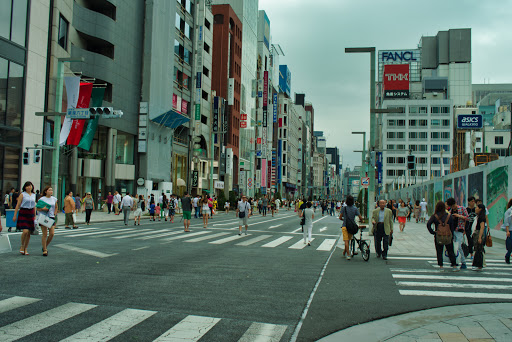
(109, 206)
(469, 237)
(88, 215)
(264, 210)
(381, 241)
(439, 251)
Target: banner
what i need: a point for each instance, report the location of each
(92, 124)
(77, 126)
(72, 84)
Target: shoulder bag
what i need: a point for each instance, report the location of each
(488, 240)
(443, 232)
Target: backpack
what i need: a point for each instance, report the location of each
(352, 227)
(443, 232)
(143, 206)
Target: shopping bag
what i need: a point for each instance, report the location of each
(74, 218)
(5, 244)
(44, 220)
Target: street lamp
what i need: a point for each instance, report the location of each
(362, 172)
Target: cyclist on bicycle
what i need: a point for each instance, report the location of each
(348, 212)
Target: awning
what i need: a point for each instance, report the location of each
(171, 119)
(181, 182)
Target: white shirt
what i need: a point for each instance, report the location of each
(423, 206)
(243, 206)
(51, 201)
(308, 214)
(6, 199)
(127, 201)
(117, 198)
(29, 201)
(194, 202)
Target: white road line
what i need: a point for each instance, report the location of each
(455, 294)
(411, 258)
(184, 236)
(111, 327)
(277, 242)
(296, 230)
(410, 270)
(42, 321)
(326, 245)
(63, 231)
(112, 231)
(85, 251)
(137, 233)
(487, 269)
(208, 237)
(140, 248)
(299, 244)
(254, 240)
(191, 328)
(487, 263)
(272, 227)
(323, 229)
(420, 276)
(15, 302)
(263, 332)
(229, 239)
(451, 285)
(157, 236)
(225, 223)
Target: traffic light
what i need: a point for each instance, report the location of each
(411, 162)
(37, 156)
(101, 110)
(26, 158)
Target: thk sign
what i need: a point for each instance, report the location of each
(396, 80)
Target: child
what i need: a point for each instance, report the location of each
(152, 210)
(157, 211)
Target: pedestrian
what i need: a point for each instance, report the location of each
(127, 206)
(49, 209)
(243, 212)
(226, 207)
(186, 205)
(6, 202)
(38, 195)
(471, 209)
(89, 207)
(210, 206)
(117, 202)
(410, 206)
(424, 207)
(138, 212)
(78, 203)
(417, 210)
(308, 215)
(172, 207)
(195, 201)
(215, 203)
(110, 198)
(460, 216)
(382, 220)
(507, 224)
(158, 211)
(402, 213)
(443, 223)
(264, 205)
(348, 213)
(278, 204)
(273, 206)
(14, 198)
(479, 235)
(25, 213)
(69, 210)
(205, 210)
(152, 209)
(332, 209)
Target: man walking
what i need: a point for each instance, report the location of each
(471, 209)
(460, 215)
(243, 211)
(382, 220)
(423, 206)
(264, 205)
(186, 205)
(69, 209)
(127, 206)
(196, 208)
(116, 200)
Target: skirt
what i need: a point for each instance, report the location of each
(138, 212)
(402, 219)
(26, 219)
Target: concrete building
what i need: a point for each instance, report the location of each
(289, 134)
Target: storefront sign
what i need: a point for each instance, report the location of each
(195, 178)
(398, 56)
(396, 80)
(471, 121)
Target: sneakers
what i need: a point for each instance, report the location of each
(309, 243)
(384, 257)
(348, 257)
(305, 242)
(240, 233)
(507, 260)
(463, 267)
(455, 269)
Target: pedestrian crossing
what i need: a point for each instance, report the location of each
(187, 328)
(213, 237)
(493, 282)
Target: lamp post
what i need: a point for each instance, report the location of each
(362, 173)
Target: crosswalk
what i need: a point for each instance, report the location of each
(211, 236)
(493, 282)
(188, 328)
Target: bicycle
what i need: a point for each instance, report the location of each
(362, 245)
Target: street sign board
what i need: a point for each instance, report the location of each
(470, 121)
(365, 182)
(78, 113)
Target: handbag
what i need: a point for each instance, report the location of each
(74, 218)
(241, 214)
(488, 240)
(464, 246)
(46, 221)
(36, 229)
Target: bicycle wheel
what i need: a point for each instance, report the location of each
(365, 251)
(352, 246)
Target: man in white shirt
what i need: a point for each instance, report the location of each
(127, 205)
(424, 207)
(116, 200)
(243, 211)
(195, 200)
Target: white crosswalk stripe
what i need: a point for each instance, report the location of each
(157, 236)
(184, 236)
(132, 234)
(191, 328)
(229, 239)
(326, 245)
(208, 237)
(253, 240)
(299, 244)
(277, 241)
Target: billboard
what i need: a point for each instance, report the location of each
(470, 121)
(396, 81)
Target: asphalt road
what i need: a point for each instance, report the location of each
(144, 283)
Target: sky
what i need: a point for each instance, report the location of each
(314, 34)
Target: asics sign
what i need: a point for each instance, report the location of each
(470, 121)
(395, 80)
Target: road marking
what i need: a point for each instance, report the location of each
(225, 222)
(191, 328)
(451, 285)
(410, 258)
(101, 233)
(323, 229)
(112, 326)
(157, 236)
(132, 234)
(140, 248)
(277, 242)
(184, 236)
(42, 321)
(299, 244)
(326, 245)
(420, 276)
(487, 263)
(15, 302)
(85, 251)
(488, 268)
(272, 227)
(254, 240)
(263, 332)
(296, 230)
(407, 270)
(208, 237)
(455, 294)
(228, 239)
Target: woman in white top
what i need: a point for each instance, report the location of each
(49, 210)
(25, 212)
(226, 207)
(205, 209)
(309, 214)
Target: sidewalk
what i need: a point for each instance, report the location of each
(459, 323)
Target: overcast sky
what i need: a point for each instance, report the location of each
(314, 33)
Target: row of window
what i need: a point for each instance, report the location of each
(402, 160)
(187, 5)
(182, 26)
(398, 173)
(420, 123)
(419, 148)
(433, 109)
(418, 135)
(181, 78)
(183, 53)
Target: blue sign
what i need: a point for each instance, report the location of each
(379, 167)
(258, 153)
(398, 56)
(470, 121)
(275, 107)
(279, 162)
(78, 113)
(198, 80)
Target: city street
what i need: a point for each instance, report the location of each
(109, 281)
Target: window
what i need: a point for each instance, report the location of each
(285, 123)
(284, 133)
(187, 55)
(435, 161)
(423, 123)
(206, 72)
(445, 135)
(391, 123)
(206, 48)
(207, 23)
(400, 135)
(502, 152)
(423, 110)
(446, 123)
(188, 31)
(284, 145)
(390, 147)
(63, 32)
(434, 135)
(391, 135)
(422, 148)
(400, 123)
(422, 135)
(177, 22)
(13, 20)
(177, 47)
(285, 108)
(205, 95)
(412, 123)
(400, 160)
(413, 109)
(186, 79)
(435, 122)
(445, 109)
(435, 110)
(498, 140)
(218, 19)
(413, 135)
(390, 160)
(413, 148)
(400, 147)
(284, 158)
(124, 148)
(390, 173)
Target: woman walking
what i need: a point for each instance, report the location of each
(110, 198)
(402, 214)
(507, 225)
(25, 212)
(138, 211)
(417, 210)
(348, 212)
(309, 215)
(49, 209)
(89, 207)
(205, 209)
(479, 235)
(273, 206)
(163, 207)
(442, 220)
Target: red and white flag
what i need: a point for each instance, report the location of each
(75, 134)
(72, 90)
